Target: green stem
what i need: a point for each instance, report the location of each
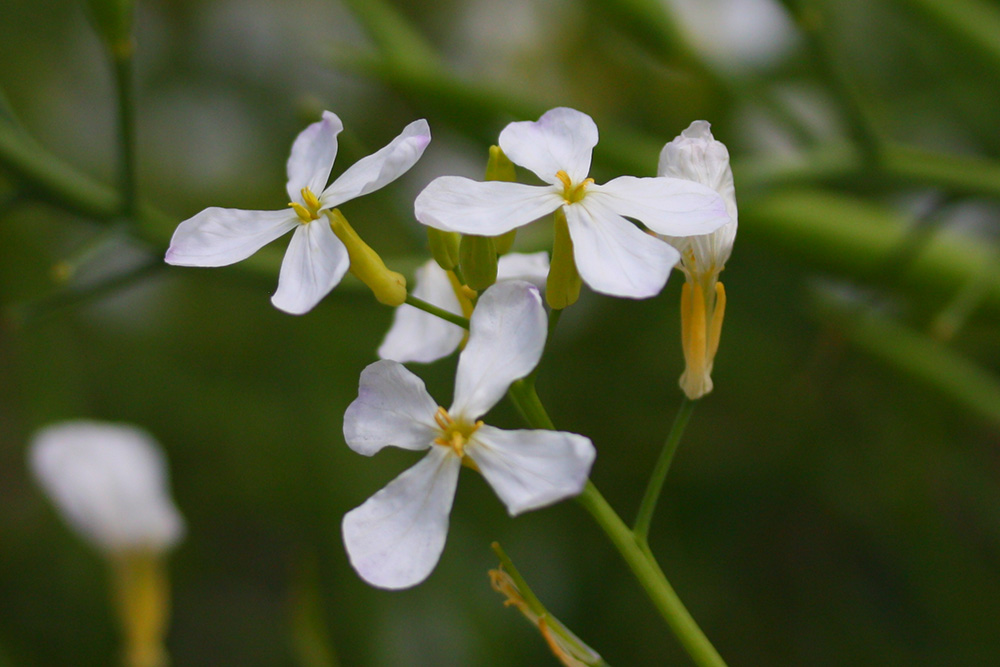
(656, 479)
(126, 133)
(640, 561)
(437, 312)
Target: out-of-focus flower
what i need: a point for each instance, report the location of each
(317, 256)
(613, 256)
(395, 538)
(696, 155)
(419, 336)
(109, 481)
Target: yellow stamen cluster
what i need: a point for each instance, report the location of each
(572, 193)
(310, 211)
(701, 328)
(454, 433)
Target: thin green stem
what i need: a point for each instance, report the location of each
(656, 479)
(122, 58)
(437, 312)
(639, 560)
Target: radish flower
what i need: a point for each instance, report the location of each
(696, 155)
(612, 255)
(316, 258)
(395, 538)
(419, 336)
(109, 481)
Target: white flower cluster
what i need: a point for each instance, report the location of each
(688, 212)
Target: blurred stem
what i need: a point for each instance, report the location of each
(640, 561)
(659, 475)
(122, 58)
(916, 355)
(973, 24)
(437, 312)
(950, 320)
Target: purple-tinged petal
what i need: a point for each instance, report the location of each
(392, 408)
(561, 140)
(312, 156)
(223, 236)
(490, 208)
(314, 263)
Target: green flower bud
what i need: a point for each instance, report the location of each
(499, 167)
(563, 286)
(478, 259)
(444, 247)
(388, 286)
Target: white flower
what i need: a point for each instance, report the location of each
(316, 259)
(419, 336)
(395, 538)
(612, 255)
(110, 483)
(697, 156)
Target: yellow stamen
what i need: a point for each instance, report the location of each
(310, 211)
(454, 434)
(571, 193)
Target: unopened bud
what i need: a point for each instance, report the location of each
(444, 247)
(388, 286)
(563, 286)
(478, 259)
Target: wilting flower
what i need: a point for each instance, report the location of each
(612, 255)
(696, 155)
(316, 258)
(395, 538)
(109, 481)
(419, 336)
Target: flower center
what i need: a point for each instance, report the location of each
(572, 193)
(310, 210)
(454, 433)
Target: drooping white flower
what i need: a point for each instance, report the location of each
(395, 538)
(697, 156)
(613, 256)
(316, 259)
(419, 336)
(109, 481)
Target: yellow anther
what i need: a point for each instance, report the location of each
(572, 193)
(454, 434)
(310, 211)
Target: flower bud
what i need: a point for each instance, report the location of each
(500, 168)
(444, 247)
(388, 286)
(478, 260)
(563, 286)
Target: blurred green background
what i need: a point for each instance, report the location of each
(836, 500)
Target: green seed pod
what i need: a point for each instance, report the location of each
(478, 259)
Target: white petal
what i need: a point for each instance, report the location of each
(381, 168)
(532, 469)
(697, 156)
(110, 483)
(562, 139)
(671, 206)
(419, 336)
(314, 263)
(530, 267)
(614, 256)
(392, 408)
(490, 208)
(312, 156)
(223, 236)
(506, 337)
(395, 538)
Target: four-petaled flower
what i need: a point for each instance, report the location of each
(419, 336)
(613, 256)
(697, 156)
(316, 259)
(395, 538)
